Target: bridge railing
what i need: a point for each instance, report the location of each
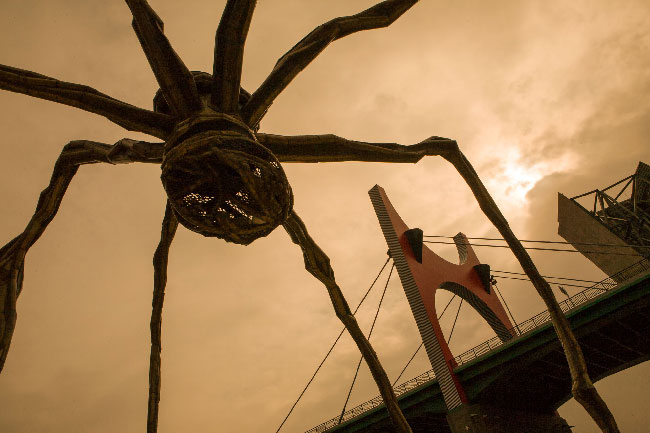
(566, 305)
(371, 404)
(483, 348)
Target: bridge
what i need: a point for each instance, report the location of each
(522, 370)
(611, 321)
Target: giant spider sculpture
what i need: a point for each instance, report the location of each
(224, 179)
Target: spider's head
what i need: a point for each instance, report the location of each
(221, 182)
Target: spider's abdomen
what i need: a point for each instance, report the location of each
(221, 182)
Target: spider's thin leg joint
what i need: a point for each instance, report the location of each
(120, 151)
(437, 146)
(125, 150)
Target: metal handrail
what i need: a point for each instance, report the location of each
(604, 189)
(522, 328)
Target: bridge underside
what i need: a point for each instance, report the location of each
(541, 379)
(531, 373)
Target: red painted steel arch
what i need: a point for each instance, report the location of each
(422, 278)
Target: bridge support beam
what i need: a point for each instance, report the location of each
(480, 418)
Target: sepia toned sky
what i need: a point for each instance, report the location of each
(543, 97)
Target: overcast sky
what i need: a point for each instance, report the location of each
(543, 97)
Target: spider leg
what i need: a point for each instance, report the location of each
(318, 264)
(84, 97)
(229, 54)
(12, 255)
(297, 58)
(332, 148)
(175, 80)
(327, 148)
(169, 225)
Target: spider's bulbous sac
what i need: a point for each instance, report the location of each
(226, 185)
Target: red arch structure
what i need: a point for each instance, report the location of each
(422, 272)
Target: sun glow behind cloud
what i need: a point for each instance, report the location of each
(514, 177)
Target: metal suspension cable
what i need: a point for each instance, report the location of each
(505, 303)
(422, 343)
(546, 276)
(372, 327)
(536, 248)
(454, 325)
(543, 242)
(551, 282)
(408, 363)
(332, 347)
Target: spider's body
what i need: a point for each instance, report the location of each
(221, 182)
(221, 176)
